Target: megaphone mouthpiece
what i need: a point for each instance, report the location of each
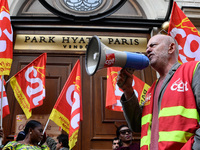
(136, 61)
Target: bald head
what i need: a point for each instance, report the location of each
(162, 52)
(168, 40)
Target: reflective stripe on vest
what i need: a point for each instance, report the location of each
(175, 136)
(146, 119)
(179, 110)
(145, 140)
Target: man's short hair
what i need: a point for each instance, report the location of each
(115, 138)
(64, 139)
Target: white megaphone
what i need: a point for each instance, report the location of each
(99, 56)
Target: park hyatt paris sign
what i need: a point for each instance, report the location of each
(79, 43)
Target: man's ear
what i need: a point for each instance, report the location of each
(172, 48)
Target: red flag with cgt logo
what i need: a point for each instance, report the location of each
(67, 112)
(6, 39)
(29, 85)
(186, 35)
(114, 93)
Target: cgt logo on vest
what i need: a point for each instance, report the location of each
(179, 86)
(147, 100)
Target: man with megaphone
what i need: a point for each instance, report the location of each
(169, 117)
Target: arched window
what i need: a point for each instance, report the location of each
(83, 5)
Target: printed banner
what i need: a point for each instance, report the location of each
(29, 85)
(114, 93)
(67, 112)
(186, 35)
(6, 39)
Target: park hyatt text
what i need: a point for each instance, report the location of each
(72, 42)
(80, 40)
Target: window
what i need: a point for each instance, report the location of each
(83, 5)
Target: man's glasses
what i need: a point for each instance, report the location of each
(123, 132)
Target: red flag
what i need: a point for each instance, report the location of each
(114, 93)
(29, 85)
(67, 112)
(6, 39)
(5, 106)
(186, 35)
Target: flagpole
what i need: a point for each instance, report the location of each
(45, 126)
(2, 79)
(8, 81)
(44, 129)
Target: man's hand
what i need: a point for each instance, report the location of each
(124, 81)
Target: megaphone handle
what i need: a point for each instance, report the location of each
(129, 70)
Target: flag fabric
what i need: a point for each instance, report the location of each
(5, 106)
(6, 39)
(29, 85)
(186, 35)
(67, 112)
(114, 93)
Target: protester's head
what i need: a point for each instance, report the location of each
(162, 50)
(20, 136)
(116, 143)
(33, 131)
(62, 141)
(124, 134)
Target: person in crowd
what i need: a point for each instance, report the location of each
(1, 133)
(116, 143)
(169, 116)
(61, 144)
(1, 136)
(20, 136)
(33, 135)
(126, 137)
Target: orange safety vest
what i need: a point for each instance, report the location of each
(178, 116)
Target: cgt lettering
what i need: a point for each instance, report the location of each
(187, 42)
(109, 62)
(179, 86)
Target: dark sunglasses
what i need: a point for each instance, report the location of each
(123, 132)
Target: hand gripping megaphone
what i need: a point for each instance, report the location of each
(100, 56)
